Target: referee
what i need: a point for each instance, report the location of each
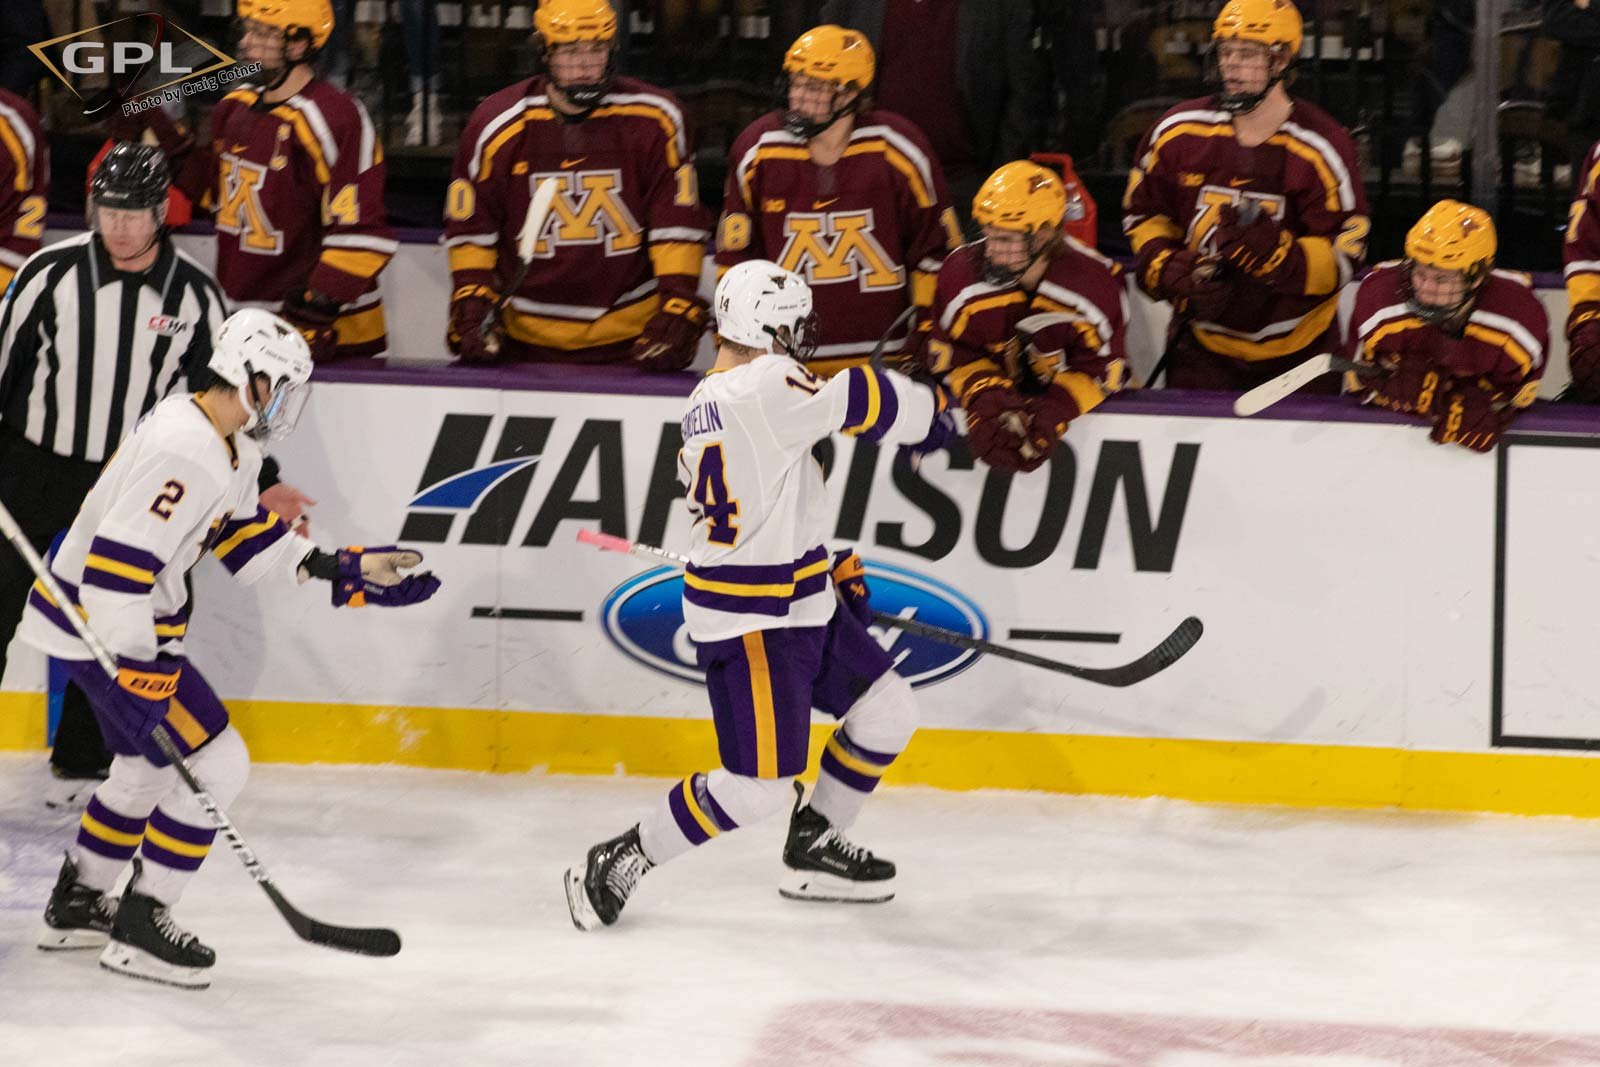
(93, 332)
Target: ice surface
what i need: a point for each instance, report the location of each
(1030, 931)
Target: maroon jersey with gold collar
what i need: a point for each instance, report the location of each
(1191, 164)
(1503, 342)
(24, 183)
(297, 192)
(868, 234)
(626, 231)
(974, 320)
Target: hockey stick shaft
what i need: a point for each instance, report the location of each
(876, 360)
(1292, 381)
(1157, 659)
(539, 204)
(370, 942)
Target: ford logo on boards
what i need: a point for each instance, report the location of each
(643, 617)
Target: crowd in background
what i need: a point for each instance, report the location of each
(1084, 78)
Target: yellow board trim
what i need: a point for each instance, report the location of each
(1238, 772)
(106, 833)
(755, 650)
(172, 844)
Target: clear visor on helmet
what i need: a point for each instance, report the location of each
(277, 418)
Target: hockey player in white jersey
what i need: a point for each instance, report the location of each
(778, 627)
(182, 484)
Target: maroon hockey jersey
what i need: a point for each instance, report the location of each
(1190, 165)
(24, 183)
(1503, 343)
(974, 321)
(297, 193)
(868, 234)
(1581, 253)
(626, 230)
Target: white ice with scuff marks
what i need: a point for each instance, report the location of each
(1030, 931)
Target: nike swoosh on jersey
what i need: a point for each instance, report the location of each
(1236, 182)
(565, 163)
(820, 204)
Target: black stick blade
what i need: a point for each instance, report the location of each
(1158, 659)
(363, 941)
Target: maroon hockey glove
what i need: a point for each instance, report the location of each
(997, 425)
(1412, 386)
(671, 336)
(466, 337)
(1193, 283)
(314, 315)
(1583, 354)
(1471, 416)
(850, 578)
(1259, 247)
(1049, 414)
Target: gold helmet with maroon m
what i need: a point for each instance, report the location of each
(836, 57)
(1451, 237)
(1020, 198)
(277, 26)
(578, 24)
(1272, 25)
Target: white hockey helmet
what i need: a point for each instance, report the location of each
(762, 306)
(255, 344)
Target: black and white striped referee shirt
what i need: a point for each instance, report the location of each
(85, 349)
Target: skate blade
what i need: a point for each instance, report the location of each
(828, 888)
(584, 917)
(53, 940)
(137, 963)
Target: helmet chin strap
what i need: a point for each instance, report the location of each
(802, 127)
(1244, 103)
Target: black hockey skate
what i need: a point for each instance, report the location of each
(823, 864)
(77, 915)
(596, 894)
(146, 943)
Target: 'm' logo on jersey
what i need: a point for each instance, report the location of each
(587, 210)
(239, 209)
(829, 247)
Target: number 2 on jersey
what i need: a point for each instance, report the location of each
(711, 493)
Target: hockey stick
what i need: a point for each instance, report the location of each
(1293, 380)
(532, 225)
(876, 360)
(1156, 660)
(364, 941)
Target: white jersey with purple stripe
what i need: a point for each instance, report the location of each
(757, 557)
(175, 489)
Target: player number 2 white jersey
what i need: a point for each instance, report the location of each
(758, 558)
(175, 489)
